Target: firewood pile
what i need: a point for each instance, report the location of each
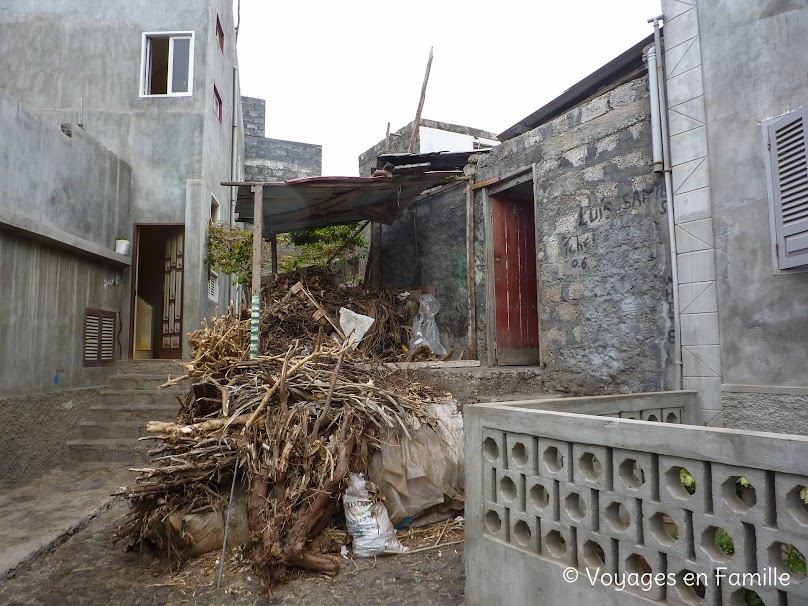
(285, 429)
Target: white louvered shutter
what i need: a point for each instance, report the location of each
(788, 149)
(99, 337)
(91, 324)
(107, 339)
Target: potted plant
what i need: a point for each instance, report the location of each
(122, 245)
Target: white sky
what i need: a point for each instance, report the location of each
(335, 72)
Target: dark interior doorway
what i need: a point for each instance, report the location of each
(515, 276)
(157, 296)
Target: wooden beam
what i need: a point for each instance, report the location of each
(420, 105)
(273, 247)
(471, 347)
(485, 183)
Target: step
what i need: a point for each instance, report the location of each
(128, 412)
(158, 367)
(124, 398)
(146, 381)
(471, 385)
(104, 430)
(133, 452)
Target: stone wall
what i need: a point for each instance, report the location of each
(254, 115)
(602, 245)
(427, 247)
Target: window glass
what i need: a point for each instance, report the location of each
(181, 65)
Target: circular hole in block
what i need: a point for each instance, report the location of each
(638, 564)
(553, 459)
(490, 449)
(653, 418)
(618, 516)
(632, 474)
(507, 488)
(594, 556)
(519, 454)
(671, 417)
(690, 587)
(680, 482)
(590, 466)
(785, 555)
(664, 528)
(739, 494)
(745, 597)
(575, 507)
(555, 543)
(717, 542)
(522, 533)
(538, 496)
(493, 523)
(797, 504)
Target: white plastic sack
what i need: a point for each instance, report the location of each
(354, 325)
(425, 472)
(368, 522)
(425, 329)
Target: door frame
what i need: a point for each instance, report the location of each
(528, 173)
(136, 270)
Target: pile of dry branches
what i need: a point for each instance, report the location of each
(288, 427)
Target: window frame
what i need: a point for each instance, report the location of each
(768, 129)
(213, 279)
(217, 103)
(220, 33)
(145, 62)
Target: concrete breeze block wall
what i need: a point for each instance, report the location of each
(557, 499)
(605, 315)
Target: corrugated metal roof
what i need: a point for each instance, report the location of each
(322, 201)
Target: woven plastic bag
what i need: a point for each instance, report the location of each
(367, 521)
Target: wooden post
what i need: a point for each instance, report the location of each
(273, 246)
(420, 106)
(255, 314)
(387, 139)
(471, 348)
(375, 261)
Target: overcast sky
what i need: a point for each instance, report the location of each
(335, 72)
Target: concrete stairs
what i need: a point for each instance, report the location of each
(110, 430)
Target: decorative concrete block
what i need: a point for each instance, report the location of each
(691, 580)
(554, 459)
(639, 563)
(654, 415)
(722, 542)
(541, 498)
(591, 466)
(792, 512)
(774, 549)
(596, 551)
(495, 522)
(673, 487)
(558, 542)
(493, 447)
(510, 490)
(576, 506)
(672, 415)
(666, 528)
(633, 473)
(524, 531)
(735, 501)
(620, 516)
(521, 452)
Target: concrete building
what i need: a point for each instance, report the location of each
(736, 82)
(157, 85)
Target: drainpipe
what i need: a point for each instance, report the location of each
(661, 142)
(236, 98)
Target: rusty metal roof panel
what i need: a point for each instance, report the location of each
(321, 201)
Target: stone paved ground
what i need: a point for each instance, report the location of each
(89, 569)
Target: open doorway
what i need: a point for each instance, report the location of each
(516, 314)
(157, 293)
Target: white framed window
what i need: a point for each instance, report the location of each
(167, 64)
(214, 209)
(213, 286)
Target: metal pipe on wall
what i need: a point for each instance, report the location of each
(656, 84)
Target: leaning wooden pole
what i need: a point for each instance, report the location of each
(255, 315)
(471, 348)
(417, 122)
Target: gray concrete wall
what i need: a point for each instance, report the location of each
(427, 247)
(255, 113)
(554, 498)
(63, 201)
(602, 245)
(93, 54)
(748, 80)
(36, 431)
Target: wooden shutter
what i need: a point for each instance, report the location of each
(99, 337)
(788, 158)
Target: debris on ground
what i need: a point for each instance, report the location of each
(277, 437)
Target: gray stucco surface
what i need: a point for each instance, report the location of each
(753, 62)
(778, 413)
(36, 429)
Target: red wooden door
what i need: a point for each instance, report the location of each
(515, 286)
